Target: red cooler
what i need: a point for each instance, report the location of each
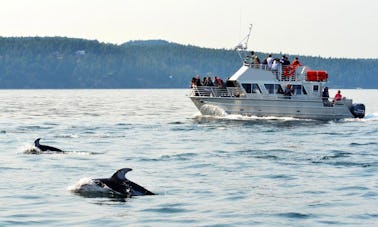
(317, 75)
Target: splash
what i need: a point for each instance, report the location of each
(86, 186)
(30, 149)
(212, 110)
(81, 184)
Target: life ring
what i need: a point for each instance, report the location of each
(289, 70)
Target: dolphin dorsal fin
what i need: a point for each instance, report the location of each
(121, 174)
(36, 142)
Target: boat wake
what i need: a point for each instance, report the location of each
(214, 112)
(368, 118)
(252, 119)
(371, 117)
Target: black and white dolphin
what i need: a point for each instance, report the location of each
(44, 147)
(119, 184)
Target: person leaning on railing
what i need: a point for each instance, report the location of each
(207, 81)
(218, 82)
(296, 63)
(275, 65)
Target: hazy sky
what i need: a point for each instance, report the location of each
(327, 28)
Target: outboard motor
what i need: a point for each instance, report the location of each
(358, 110)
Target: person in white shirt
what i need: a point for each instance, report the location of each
(275, 65)
(270, 61)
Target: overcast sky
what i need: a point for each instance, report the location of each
(327, 28)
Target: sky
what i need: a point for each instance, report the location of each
(326, 28)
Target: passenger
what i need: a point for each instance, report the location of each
(209, 82)
(194, 83)
(325, 97)
(288, 90)
(296, 63)
(285, 64)
(275, 65)
(256, 62)
(204, 82)
(338, 96)
(285, 61)
(251, 59)
(269, 61)
(198, 78)
(194, 86)
(218, 82)
(287, 69)
(264, 64)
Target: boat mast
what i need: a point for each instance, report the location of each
(243, 44)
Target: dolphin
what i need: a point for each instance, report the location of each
(44, 147)
(119, 184)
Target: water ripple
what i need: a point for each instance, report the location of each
(223, 171)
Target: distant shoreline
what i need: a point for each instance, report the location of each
(68, 63)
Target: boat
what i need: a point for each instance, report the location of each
(288, 91)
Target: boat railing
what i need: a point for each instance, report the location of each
(213, 91)
(283, 73)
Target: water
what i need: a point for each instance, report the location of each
(228, 171)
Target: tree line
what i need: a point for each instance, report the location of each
(61, 62)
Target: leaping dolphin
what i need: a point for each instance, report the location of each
(44, 147)
(121, 185)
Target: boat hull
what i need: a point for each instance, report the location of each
(283, 107)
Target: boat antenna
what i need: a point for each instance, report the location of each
(243, 44)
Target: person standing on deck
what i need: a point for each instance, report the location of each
(325, 97)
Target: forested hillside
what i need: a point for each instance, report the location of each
(59, 62)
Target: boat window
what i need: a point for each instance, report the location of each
(299, 90)
(256, 89)
(316, 88)
(270, 88)
(304, 91)
(278, 89)
(247, 87)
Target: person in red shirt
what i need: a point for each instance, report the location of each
(338, 96)
(296, 63)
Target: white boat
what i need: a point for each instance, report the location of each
(257, 90)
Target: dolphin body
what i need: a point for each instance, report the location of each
(120, 185)
(44, 147)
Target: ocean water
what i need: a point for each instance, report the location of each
(207, 171)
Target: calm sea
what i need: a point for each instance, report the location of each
(225, 171)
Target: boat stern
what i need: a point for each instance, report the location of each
(358, 110)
